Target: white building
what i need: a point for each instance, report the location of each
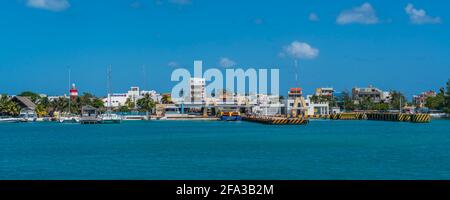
(197, 90)
(153, 94)
(325, 91)
(292, 95)
(307, 105)
(117, 100)
(317, 108)
(267, 105)
(53, 98)
(374, 94)
(133, 95)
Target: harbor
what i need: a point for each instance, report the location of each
(295, 109)
(196, 99)
(198, 103)
(323, 149)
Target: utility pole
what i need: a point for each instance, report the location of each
(296, 72)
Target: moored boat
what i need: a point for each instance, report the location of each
(27, 115)
(230, 116)
(110, 118)
(6, 119)
(69, 119)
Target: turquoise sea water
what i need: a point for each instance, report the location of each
(226, 150)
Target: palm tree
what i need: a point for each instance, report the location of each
(60, 104)
(397, 100)
(447, 98)
(166, 99)
(146, 104)
(348, 103)
(366, 103)
(129, 103)
(86, 99)
(8, 107)
(315, 98)
(41, 111)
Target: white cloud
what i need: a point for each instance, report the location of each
(419, 16)
(52, 5)
(364, 14)
(313, 17)
(173, 64)
(180, 2)
(226, 62)
(300, 50)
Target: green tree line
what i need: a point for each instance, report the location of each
(441, 101)
(45, 107)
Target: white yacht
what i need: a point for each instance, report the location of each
(27, 115)
(110, 118)
(69, 119)
(6, 119)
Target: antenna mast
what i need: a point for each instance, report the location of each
(296, 73)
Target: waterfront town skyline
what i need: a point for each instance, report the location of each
(143, 84)
(120, 89)
(390, 48)
(187, 91)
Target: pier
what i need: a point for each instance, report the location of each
(378, 116)
(399, 117)
(319, 116)
(348, 116)
(276, 120)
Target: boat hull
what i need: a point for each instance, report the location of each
(90, 120)
(230, 118)
(70, 120)
(27, 120)
(111, 121)
(9, 120)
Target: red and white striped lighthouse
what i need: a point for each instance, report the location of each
(73, 92)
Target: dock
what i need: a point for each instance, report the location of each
(90, 120)
(348, 116)
(380, 116)
(399, 117)
(276, 120)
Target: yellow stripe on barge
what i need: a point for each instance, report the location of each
(379, 116)
(277, 120)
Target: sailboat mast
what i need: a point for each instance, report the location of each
(69, 89)
(109, 87)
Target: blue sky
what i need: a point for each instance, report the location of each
(402, 45)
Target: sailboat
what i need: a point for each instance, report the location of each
(108, 117)
(69, 118)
